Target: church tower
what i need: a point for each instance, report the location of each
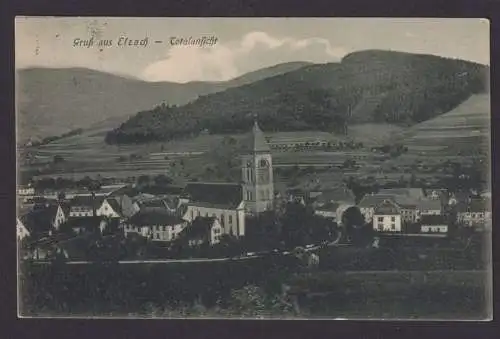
(257, 173)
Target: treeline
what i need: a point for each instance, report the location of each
(408, 88)
(50, 139)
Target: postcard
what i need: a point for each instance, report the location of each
(253, 168)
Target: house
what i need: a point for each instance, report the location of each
(81, 225)
(155, 224)
(85, 206)
(223, 201)
(387, 217)
(433, 224)
(475, 214)
(203, 230)
(117, 207)
(368, 204)
(44, 219)
(21, 230)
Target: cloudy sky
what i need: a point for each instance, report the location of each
(243, 45)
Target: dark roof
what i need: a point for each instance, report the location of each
(429, 204)
(151, 217)
(256, 142)
(163, 190)
(387, 207)
(87, 200)
(200, 227)
(65, 206)
(218, 194)
(127, 190)
(40, 220)
(433, 220)
(373, 200)
(340, 194)
(159, 203)
(474, 206)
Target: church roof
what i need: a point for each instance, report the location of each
(256, 142)
(217, 194)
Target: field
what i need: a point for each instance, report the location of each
(458, 135)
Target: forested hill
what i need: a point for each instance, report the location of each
(367, 86)
(54, 101)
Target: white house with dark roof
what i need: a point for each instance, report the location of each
(117, 207)
(387, 217)
(434, 224)
(155, 224)
(85, 206)
(368, 204)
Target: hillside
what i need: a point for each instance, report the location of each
(366, 87)
(54, 101)
(463, 131)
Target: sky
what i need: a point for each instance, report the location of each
(243, 44)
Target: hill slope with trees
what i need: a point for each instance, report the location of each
(367, 86)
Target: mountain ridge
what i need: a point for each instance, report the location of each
(53, 101)
(365, 87)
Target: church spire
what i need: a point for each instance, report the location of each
(259, 142)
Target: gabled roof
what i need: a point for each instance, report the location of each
(229, 195)
(416, 193)
(152, 217)
(87, 201)
(433, 220)
(163, 190)
(40, 220)
(387, 207)
(428, 204)
(474, 206)
(373, 200)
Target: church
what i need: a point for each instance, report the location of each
(231, 203)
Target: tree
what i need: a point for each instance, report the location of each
(162, 180)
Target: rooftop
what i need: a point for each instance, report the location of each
(387, 207)
(156, 216)
(228, 195)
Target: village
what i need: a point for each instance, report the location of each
(177, 221)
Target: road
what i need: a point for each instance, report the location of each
(192, 260)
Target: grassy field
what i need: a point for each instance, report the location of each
(456, 136)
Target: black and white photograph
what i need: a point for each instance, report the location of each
(253, 168)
